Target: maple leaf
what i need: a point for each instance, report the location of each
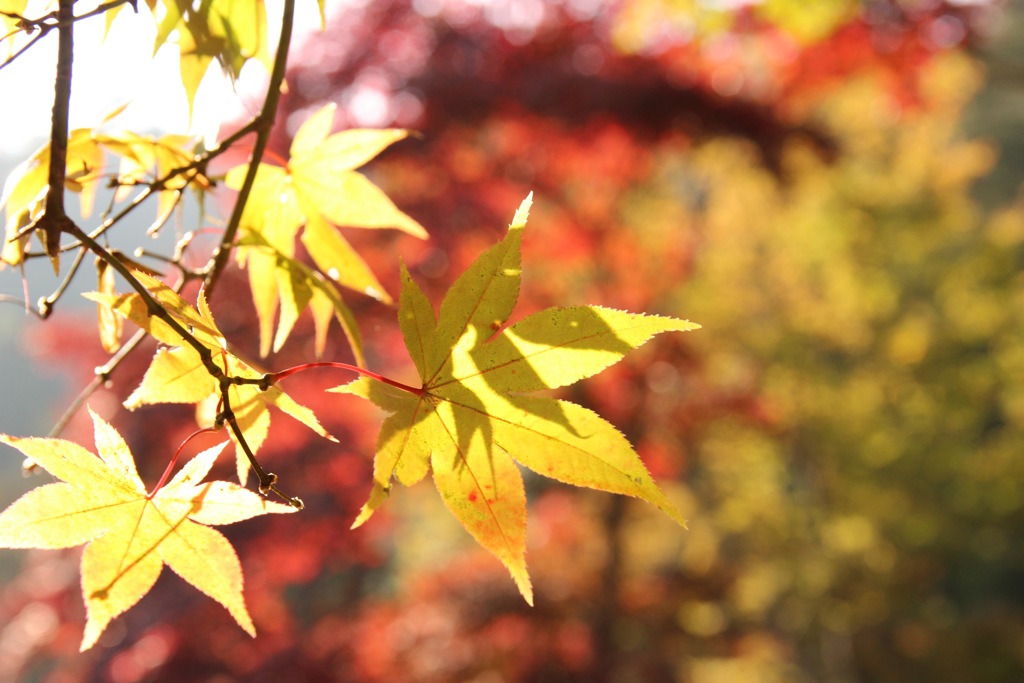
(110, 324)
(468, 422)
(177, 373)
(131, 534)
(318, 189)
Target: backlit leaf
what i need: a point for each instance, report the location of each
(110, 324)
(131, 535)
(229, 31)
(147, 159)
(275, 279)
(468, 425)
(319, 189)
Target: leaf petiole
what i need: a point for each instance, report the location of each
(174, 461)
(274, 377)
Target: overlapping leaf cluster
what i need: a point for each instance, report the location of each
(143, 159)
(229, 31)
(177, 373)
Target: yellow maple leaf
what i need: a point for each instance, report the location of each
(468, 424)
(319, 188)
(131, 534)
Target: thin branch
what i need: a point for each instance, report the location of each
(223, 146)
(102, 376)
(264, 123)
(46, 303)
(23, 49)
(45, 23)
(225, 381)
(10, 299)
(105, 7)
(268, 480)
(198, 164)
(154, 307)
(186, 273)
(50, 21)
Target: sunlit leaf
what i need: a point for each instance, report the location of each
(110, 324)
(318, 189)
(467, 425)
(228, 31)
(148, 159)
(275, 279)
(336, 259)
(100, 501)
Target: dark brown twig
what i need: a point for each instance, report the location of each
(54, 220)
(264, 122)
(267, 480)
(46, 303)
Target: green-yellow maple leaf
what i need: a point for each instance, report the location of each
(468, 422)
(131, 534)
(177, 373)
(319, 189)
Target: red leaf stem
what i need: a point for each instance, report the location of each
(277, 376)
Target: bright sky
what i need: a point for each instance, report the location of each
(117, 71)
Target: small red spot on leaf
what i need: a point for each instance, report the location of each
(472, 496)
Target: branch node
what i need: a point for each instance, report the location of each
(267, 483)
(207, 357)
(102, 373)
(45, 306)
